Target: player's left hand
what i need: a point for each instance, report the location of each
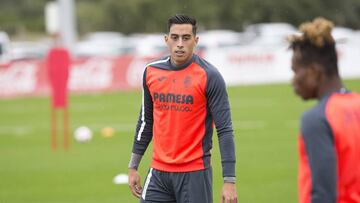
(229, 194)
(134, 183)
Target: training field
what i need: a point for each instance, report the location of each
(265, 120)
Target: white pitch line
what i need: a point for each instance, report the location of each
(16, 130)
(21, 130)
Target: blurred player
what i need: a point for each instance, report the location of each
(329, 142)
(183, 95)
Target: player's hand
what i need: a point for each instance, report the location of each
(134, 183)
(229, 194)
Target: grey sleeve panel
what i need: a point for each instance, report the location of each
(320, 149)
(144, 126)
(219, 106)
(134, 161)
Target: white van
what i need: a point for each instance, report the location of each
(4, 47)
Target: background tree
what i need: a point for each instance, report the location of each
(129, 16)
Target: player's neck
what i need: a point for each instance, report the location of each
(179, 65)
(329, 85)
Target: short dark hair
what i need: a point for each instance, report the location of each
(316, 45)
(182, 19)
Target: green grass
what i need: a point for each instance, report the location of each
(265, 119)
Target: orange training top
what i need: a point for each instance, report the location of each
(178, 110)
(329, 149)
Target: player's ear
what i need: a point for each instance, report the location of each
(196, 39)
(166, 38)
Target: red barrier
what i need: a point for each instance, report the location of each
(23, 78)
(30, 77)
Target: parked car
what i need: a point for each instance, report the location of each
(269, 34)
(22, 50)
(4, 47)
(220, 38)
(345, 35)
(102, 44)
(104, 36)
(152, 44)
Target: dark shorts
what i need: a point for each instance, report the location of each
(184, 187)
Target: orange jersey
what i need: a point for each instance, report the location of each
(179, 108)
(329, 149)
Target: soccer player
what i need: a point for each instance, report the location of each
(183, 96)
(329, 141)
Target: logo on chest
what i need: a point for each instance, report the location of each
(187, 81)
(173, 102)
(173, 98)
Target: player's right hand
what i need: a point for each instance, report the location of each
(134, 182)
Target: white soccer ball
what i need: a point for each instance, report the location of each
(83, 134)
(121, 178)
